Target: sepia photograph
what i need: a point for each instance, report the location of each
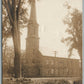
(42, 42)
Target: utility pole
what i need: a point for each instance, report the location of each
(55, 52)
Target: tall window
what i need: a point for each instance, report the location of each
(52, 62)
(47, 62)
(52, 71)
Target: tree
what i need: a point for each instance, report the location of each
(14, 15)
(74, 30)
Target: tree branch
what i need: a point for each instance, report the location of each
(8, 11)
(18, 9)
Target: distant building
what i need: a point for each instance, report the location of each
(37, 65)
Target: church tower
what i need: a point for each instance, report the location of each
(32, 43)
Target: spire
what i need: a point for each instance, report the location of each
(33, 11)
(33, 37)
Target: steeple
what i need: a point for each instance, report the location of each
(32, 42)
(33, 11)
(33, 26)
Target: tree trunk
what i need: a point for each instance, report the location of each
(16, 41)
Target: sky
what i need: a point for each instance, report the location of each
(50, 15)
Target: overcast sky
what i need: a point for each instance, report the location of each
(50, 14)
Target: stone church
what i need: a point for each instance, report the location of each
(36, 64)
